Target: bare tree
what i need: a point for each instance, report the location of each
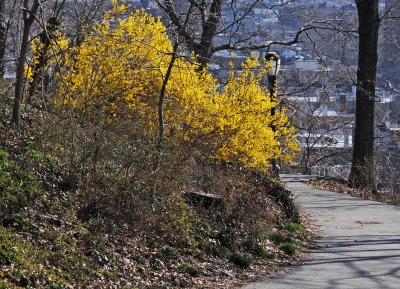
(319, 134)
(46, 37)
(389, 60)
(28, 14)
(79, 14)
(3, 37)
(217, 26)
(46, 15)
(206, 18)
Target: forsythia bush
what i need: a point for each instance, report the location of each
(121, 64)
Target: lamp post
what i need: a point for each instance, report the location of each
(274, 63)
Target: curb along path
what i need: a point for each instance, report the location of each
(359, 245)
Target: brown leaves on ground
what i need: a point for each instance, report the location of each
(144, 267)
(342, 187)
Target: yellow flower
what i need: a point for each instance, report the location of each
(121, 64)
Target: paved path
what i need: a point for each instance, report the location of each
(359, 248)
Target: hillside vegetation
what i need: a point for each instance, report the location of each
(108, 183)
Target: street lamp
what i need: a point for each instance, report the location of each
(273, 65)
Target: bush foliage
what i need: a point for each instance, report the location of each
(119, 69)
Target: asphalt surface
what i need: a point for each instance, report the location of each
(359, 245)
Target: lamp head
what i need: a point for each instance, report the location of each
(273, 59)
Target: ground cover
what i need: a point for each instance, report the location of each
(82, 207)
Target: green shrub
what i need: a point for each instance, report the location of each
(189, 269)
(4, 284)
(35, 154)
(288, 248)
(17, 189)
(275, 237)
(3, 154)
(7, 167)
(170, 252)
(26, 269)
(241, 260)
(294, 227)
(261, 252)
(12, 247)
(224, 251)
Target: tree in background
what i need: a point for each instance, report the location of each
(361, 174)
(3, 36)
(40, 19)
(215, 25)
(317, 131)
(28, 14)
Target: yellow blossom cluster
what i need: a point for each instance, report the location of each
(121, 65)
(54, 55)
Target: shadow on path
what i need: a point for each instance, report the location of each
(359, 245)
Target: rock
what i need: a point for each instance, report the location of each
(201, 199)
(227, 273)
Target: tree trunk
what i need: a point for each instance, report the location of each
(209, 25)
(3, 38)
(19, 83)
(363, 153)
(209, 31)
(272, 85)
(45, 37)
